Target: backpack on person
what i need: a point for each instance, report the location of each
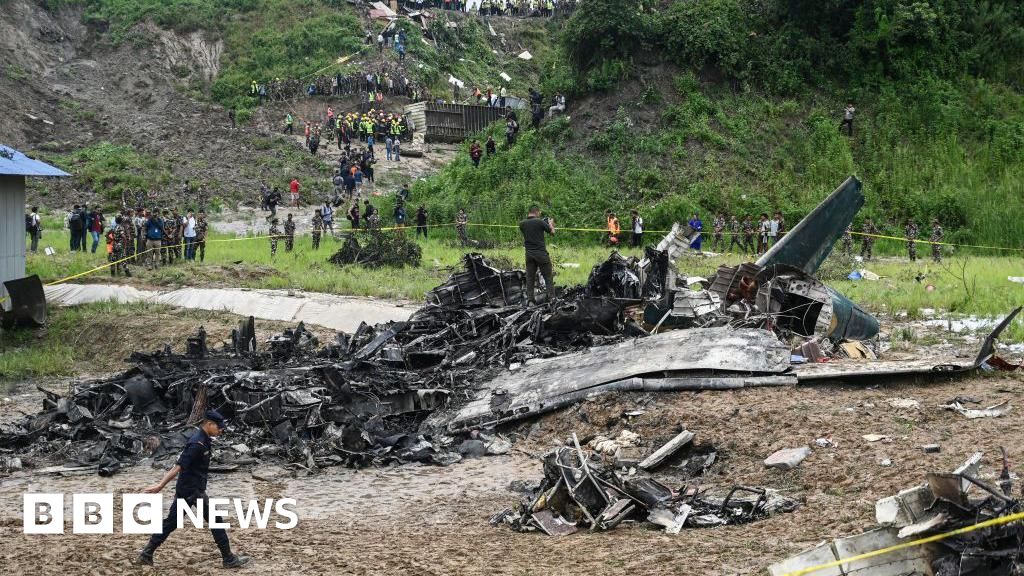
(29, 224)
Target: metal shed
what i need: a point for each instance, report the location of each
(14, 168)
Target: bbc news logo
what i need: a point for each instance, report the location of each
(143, 513)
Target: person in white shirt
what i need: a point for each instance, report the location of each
(189, 225)
(637, 228)
(773, 231)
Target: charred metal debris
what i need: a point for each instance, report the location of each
(588, 490)
(378, 250)
(944, 502)
(360, 399)
(476, 356)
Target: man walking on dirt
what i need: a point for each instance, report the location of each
(192, 469)
(534, 230)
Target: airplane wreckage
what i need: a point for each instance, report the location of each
(476, 356)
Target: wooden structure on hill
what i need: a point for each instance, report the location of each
(451, 123)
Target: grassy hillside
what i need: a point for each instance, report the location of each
(703, 106)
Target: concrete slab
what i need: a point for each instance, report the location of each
(327, 310)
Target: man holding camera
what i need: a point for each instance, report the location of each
(534, 229)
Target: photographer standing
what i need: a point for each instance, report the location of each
(534, 229)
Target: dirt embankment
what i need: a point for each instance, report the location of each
(66, 87)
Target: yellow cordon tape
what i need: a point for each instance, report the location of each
(182, 245)
(475, 224)
(986, 524)
(933, 243)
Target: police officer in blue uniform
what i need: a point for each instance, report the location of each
(192, 469)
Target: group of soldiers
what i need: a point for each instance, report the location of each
(289, 235)
(911, 232)
(156, 238)
(386, 81)
(746, 236)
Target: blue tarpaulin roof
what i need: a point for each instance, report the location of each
(14, 163)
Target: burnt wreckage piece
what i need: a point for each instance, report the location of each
(778, 292)
(360, 399)
(944, 502)
(580, 491)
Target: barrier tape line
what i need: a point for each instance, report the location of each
(212, 240)
(916, 241)
(902, 546)
(473, 224)
(706, 234)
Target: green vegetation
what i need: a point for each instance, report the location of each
(283, 39)
(15, 72)
(939, 129)
(113, 169)
(68, 341)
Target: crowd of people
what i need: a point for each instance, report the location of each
(373, 127)
(520, 8)
(157, 237)
(373, 85)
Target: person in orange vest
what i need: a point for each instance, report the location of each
(613, 228)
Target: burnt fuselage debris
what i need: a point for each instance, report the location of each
(359, 399)
(942, 503)
(583, 490)
(377, 250)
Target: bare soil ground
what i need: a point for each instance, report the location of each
(433, 521)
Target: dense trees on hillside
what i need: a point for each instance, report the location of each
(784, 45)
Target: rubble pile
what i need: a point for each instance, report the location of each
(943, 503)
(360, 399)
(582, 490)
(378, 250)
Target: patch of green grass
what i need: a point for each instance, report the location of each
(248, 263)
(16, 72)
(114, 169)
(59, 348)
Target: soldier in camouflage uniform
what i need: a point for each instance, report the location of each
(201, 227)
(867, 242)
(289, 233)
(734, 234)
(373, 222)
(848, 241)
(461, 220)
(126, 220)
(936, 237)
(748, 235)
(122, 243)
(318, 229)
(179, 232)
(718, 239)
(274, 233)
(911, 231)
(170, 231)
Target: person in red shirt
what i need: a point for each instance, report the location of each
(294, 188)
